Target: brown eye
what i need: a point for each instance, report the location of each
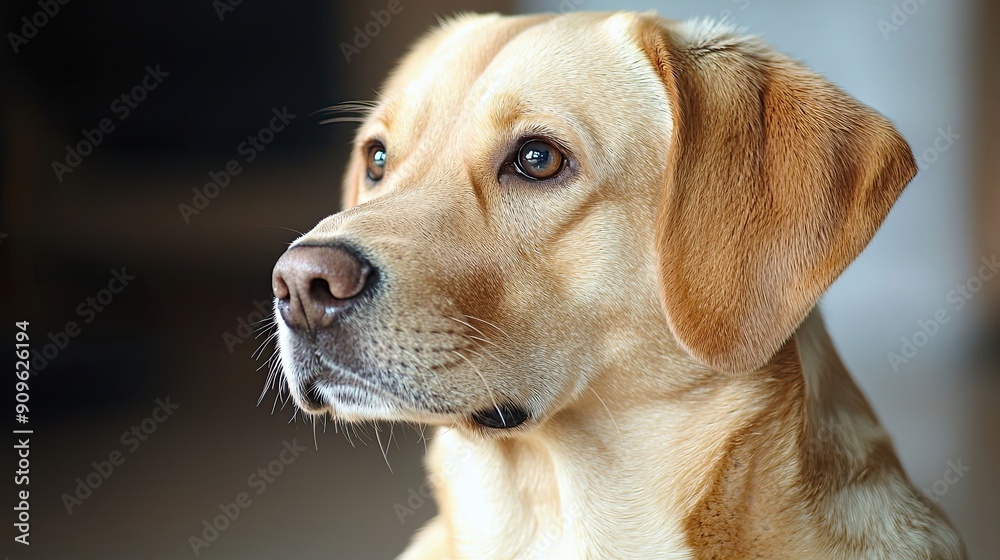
(376, 161)
(539, 160)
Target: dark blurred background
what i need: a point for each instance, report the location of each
(76, 221)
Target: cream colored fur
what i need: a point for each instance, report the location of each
(680, 407)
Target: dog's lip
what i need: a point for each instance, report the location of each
(333, 380)
(477, 419)
(345, 379)
(501, 417)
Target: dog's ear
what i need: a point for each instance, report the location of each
(776, 181)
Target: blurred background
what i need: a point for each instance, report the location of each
(115, 116)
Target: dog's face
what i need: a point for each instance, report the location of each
(512, 212)
(516, 227)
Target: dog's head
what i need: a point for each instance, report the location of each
(536, 202)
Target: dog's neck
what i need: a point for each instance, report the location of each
(672, 464)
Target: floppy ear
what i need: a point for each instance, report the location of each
(776, 181)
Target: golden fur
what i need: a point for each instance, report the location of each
(652, 308)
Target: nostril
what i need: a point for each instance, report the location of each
(316, 284)
(348, 280)
(320, 292)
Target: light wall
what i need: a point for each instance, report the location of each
(909, 61)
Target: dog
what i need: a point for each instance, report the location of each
(589, 247)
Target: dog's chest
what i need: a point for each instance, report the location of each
(505, 505)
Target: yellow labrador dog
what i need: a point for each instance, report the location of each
(590, 247)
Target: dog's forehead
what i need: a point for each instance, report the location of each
(581, 67)
(479, 68)
(439, 71)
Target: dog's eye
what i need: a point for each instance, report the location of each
(376, 161)
(539, 160)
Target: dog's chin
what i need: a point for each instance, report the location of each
(351, 401)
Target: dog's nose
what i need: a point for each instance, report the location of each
(315, 284)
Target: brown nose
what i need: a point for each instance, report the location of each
(315, 284)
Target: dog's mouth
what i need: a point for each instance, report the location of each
(333, 374)
(350, 396)
(347, 395)
(332, 388)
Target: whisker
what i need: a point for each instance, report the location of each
(276, 378)
(257, 353)
(421, 365)
(268, 361)
(484, 338)
(423, 437)
(485, 384)
(367, 439)
(281, 227)
(501, 331)
(457, 320)
(481, 339)
(347, 433)
(385, 452)
(611, 416)
(335, 120)
(263, 328)
(491, 354)
(363, 108)
(272, 372)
